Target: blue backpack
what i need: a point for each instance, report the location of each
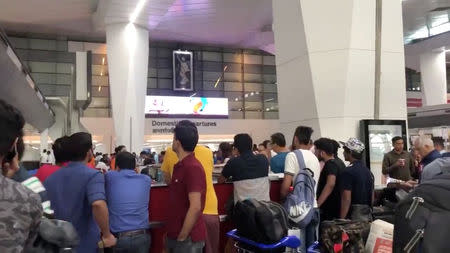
(299, 203)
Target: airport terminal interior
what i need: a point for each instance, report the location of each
(225, 126)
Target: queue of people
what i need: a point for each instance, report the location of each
(110, 209)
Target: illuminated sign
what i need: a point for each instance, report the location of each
(188, 107)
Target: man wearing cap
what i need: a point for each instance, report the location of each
(357, 180)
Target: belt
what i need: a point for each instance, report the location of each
(131, 233)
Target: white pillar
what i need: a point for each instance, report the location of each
(434, 78)
(325, 56)
(127, 49)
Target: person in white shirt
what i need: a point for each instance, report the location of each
(302, 141)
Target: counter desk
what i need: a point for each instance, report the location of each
(158, 208)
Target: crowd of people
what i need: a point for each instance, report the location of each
(109, 207)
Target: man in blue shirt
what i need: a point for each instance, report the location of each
(279, 146)
(77, 194)
(128, 195)
(357, 182)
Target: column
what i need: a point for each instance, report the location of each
(325, 56)
(434, 77)
(127, 50)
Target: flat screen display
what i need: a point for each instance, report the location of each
(185, 107)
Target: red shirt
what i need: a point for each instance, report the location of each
(45, 171)
(188, 176)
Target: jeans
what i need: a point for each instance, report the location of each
(310, 234)
(186, 246)
(133, 244)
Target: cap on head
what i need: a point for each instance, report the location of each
(354, 144)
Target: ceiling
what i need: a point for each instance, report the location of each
(245, 23)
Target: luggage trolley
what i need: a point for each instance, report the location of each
(244, 245)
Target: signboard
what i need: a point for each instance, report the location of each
(185, 107)
(182, 71)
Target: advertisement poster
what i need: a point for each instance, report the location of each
(182, 71)
(190, 107)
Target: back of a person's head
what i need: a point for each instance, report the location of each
(423, 141)
(187, 134)
(11, 127)
(119, 148)
(226, 149)
(125, 161)
(265, 143)
(80, 144)
(438, 141)
(303, 134)
(326, 145)
(336, 146)
(61, 149)
(163, 152)
(243, 143)
(278, 139)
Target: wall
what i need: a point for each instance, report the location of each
(260, 130)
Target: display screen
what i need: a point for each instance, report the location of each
(189, 107)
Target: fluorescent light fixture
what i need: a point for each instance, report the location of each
(99, 88)
(193, 95)
(35, 148)
(268, 100)
(137, 10)
(103, 61)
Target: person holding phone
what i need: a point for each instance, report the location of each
(21, 209)
(398, 164)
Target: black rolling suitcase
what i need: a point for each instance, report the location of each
(422, 219)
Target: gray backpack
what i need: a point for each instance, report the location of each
(299, 203)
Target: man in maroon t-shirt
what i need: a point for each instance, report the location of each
(186, 229)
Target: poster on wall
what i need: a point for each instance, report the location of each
(185, 107)
(377, 136)
(182, 71)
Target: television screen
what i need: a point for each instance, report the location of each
(186, 107)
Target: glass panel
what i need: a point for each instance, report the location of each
(211, 85)
(42, 56)
(44, 78)
(270, 78)
(99, 70)
(235, 106)
(269, 87)
(232, 77)
(65, 57)
(269, 60)
(252, 68)
(230, 57)
(165, 63)
(234, 96)
(165, 73)
(271, 115)
(269, 70)
(213, 94)
(100, 81)
(270, 97)
(253, 115)
(100, 91)
(213, 66)
(253, 87)
(61, 45)
(233, 67)
(253, 96)
(212, 56)
(96, 113)
(152, 51)
(152, 83)
(42, 67)
(54, 90)
(212, 76)
(252, 59)
(233, 86)
(164, 52)
(164, 83)
(253, 106)
(253, 77)
(270, 106)
(18, 42)
(236, 115)
(43, 44)
(64, 68)
(64, 79)
(152, 72)
(99, 59)
(99, 102)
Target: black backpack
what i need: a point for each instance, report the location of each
(422, 219)
(260, 221)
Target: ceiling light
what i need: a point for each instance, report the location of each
(193, 95)
(267, 109)
(137, 10)
(251, 94)
(99, 88)
(236, 99)
(246, 95)
(103, 61)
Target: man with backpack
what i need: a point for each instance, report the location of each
(301, 202)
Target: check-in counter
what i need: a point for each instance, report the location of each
(158, 209)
